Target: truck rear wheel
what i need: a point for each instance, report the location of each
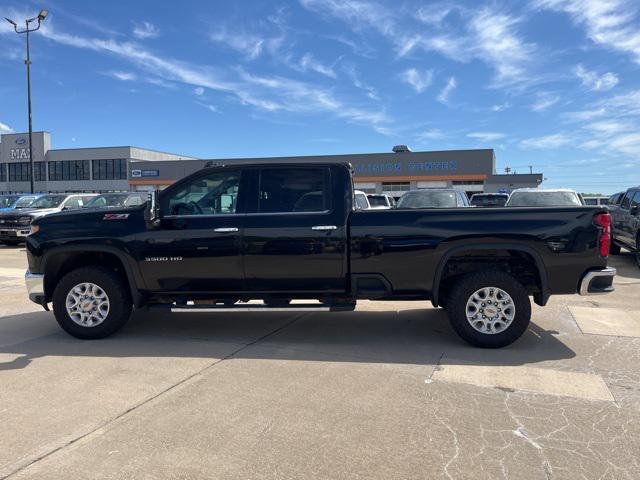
(91, 302)
(489, 309)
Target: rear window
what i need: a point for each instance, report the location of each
(591, 201)
(489, 200)
(428, 199)
(377, 201)
(543, 199)
(294, 190)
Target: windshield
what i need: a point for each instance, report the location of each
(489, 200)
(377, 200)
(7, 201)
(48, 201)
(113, 200)
(24, 202)
(543, 199)
(426, 199)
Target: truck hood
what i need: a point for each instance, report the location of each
(34, 212)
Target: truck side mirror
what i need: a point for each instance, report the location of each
(634, 210)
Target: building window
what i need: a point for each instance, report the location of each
(19, 172)
(467, 182)
(69, 170)
(396, 186)
(40, 171)
(3, 172)
(110, 169)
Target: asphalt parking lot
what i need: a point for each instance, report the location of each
(387, 391)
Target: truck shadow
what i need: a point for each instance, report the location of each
(417, 336)
(626, 265)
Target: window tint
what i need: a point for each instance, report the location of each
(362, 202)
(69, 170)
(543, 199)
(489, 200)
(626, 201)
(110, 169)
(19, 172)
(135, 200)
(48, 201)
(428, 199)
(73, 202)
(213, 194)
(294, 190)
(591, 201)
(636, 200)
(377, 200)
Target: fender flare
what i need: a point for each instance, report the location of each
(134, 277)
(542, 271)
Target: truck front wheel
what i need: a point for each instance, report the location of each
(91, 302)
(489, 309)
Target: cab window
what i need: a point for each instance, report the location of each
(286, 190)
(635, 202)
(626, 201)
(73, 202)
(212, 194)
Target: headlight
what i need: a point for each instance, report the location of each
(24, 220)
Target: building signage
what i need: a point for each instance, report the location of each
(19, 154)
(408, 168)
(144, 173)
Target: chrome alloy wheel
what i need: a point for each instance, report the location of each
(87, 304)
(490, 310)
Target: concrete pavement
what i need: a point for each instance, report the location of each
(388, 391)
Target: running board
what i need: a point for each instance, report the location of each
(264, 308)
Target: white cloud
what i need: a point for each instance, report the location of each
(611, 23)
(443, 96)
(249, 44)
(124, 76)
(546, 142)
(544, 101)
(145, 30)
(486, 136)
(198, 91)
(418, 80)
(500, 107)
(593, 81)
(4, 128)
(486, 34)
(308, 62)
(431, 134)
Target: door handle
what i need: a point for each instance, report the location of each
(324, 227)
(225, 230)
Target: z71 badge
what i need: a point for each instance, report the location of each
(115, 216)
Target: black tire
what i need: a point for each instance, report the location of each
(614, 249)
(465, 288)
(116, 291)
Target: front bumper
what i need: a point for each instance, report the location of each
(597, 282)
(35, 287)
(14, 233)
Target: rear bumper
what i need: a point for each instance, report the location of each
(35, 286)
(597, 282)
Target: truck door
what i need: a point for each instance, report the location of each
(295, 231)
(197, 245)
(623, 219)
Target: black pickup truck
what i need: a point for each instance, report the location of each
(625, 213)
(226, 237)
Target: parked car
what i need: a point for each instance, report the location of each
(119, 199)
(626, 224)
(381, 201)
(614, 201)
(15, 225)
(544, 197)
(433, 198)
(599, 200)
(241, 238)
(489, 199)
(362, 202)
(9, 203)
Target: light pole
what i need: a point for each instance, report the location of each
(40, 18)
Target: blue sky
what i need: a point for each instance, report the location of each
(550, 83)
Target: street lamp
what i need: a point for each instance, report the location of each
(40, 18)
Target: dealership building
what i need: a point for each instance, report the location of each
(107, 169)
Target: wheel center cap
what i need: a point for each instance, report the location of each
(491, 311)
(86, 305)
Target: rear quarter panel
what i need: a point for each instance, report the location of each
(406, 246)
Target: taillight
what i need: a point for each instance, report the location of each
(603, 220)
